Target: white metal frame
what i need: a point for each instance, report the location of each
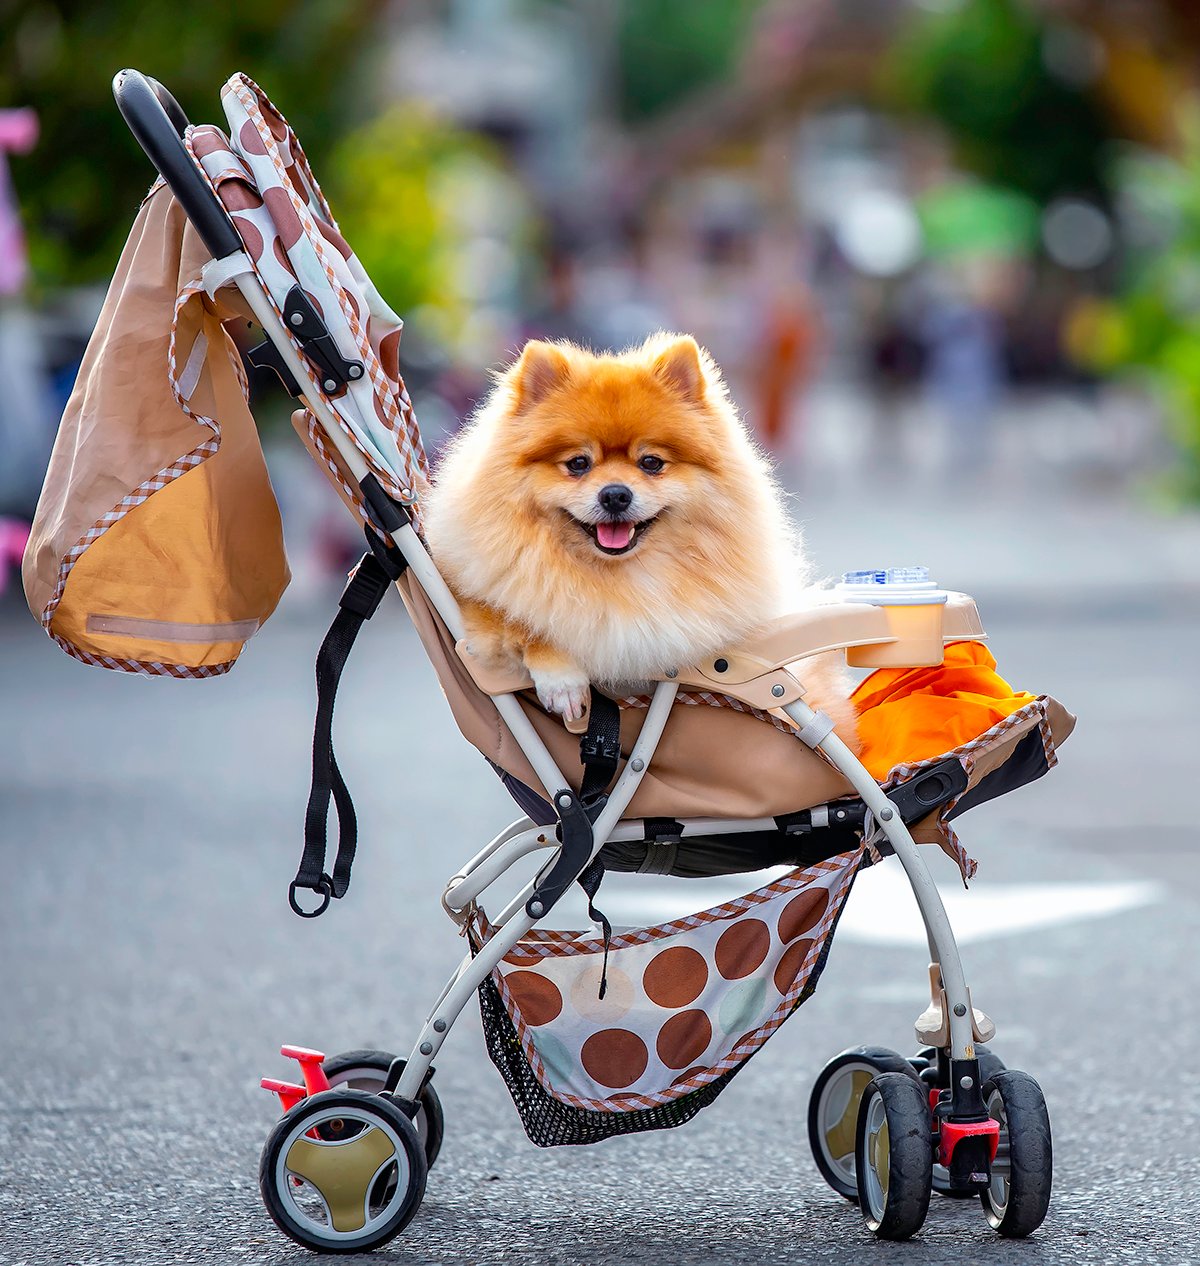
(522, 837)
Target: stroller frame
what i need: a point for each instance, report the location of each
(158, 123)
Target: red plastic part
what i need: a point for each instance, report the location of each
(289, 1093)
(310, 1067)
(951, 1132)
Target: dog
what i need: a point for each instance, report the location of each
(605, 518)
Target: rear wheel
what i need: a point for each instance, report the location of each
(1018, 1196)
(367, 1070)
(893, 1156)
(833, 1110)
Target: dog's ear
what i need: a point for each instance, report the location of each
(680, 367)
(542, 367)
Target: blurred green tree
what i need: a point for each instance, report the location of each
(667, 50)
(79, 187)
(413, 193)
(1152, 327)
(980, 68)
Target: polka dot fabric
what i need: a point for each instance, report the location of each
(685, 1001)
(262, 177)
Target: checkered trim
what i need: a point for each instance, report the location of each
(539, 943)
(142, 493)
(968, 755)
(316, 433)
(148, 668)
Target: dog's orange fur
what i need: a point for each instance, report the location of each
(505, 523)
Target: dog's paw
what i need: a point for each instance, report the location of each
(564, 692)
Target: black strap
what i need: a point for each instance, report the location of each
(599, 752)
(369, 581)
(589, 880)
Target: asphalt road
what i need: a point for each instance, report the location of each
(151, 967)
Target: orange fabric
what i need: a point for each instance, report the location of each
(912, 714)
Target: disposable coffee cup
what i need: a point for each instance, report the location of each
(914, 607)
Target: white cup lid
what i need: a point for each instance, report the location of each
(891, 586)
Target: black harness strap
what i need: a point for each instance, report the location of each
(589, 881)
(369, 581)
(600, 753)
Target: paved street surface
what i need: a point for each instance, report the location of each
(151, 967)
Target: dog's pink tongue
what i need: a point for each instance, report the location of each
(614, 535)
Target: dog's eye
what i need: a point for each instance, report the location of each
(579, 465)
(651, 464)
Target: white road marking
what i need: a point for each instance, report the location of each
(882, 910)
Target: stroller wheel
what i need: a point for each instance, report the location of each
(833, 1110)
(342, 1172)
(893, 1156)
(989, 1064)
(1018, 1195)
(368, 1070)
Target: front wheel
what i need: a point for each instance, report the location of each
(1018, 1196)
(893, 1156)
(342, 1172)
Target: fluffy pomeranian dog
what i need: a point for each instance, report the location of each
(605, 518)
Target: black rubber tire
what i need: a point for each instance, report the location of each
(871, 1059)
(989, 1064)
(430, 1120)
(362, 1106)
(897, 1210)
(1025, 1128)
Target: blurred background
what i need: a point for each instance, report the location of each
(950, 242)
(948, 254)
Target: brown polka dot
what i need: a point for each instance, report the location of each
(274, 121)
(742, 948)
(614, 1058)
(537, 998)
(279, 204)
(675, 977)
(281, 256)
(802, 913)
(789, 965)
(250, 140)
(237, 195)
(316, 303)
(334, 238)
(251, 237)
(206, 140)
(684, 1038)
(389, 354)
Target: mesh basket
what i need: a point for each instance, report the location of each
(685, 1005)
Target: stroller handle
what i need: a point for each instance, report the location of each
(158, 123)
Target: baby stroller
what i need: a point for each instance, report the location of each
(723, 769)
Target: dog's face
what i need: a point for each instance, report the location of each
(617, 458)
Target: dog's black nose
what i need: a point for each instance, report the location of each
(615, 498)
